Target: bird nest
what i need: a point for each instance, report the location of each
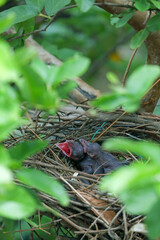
(90, 214)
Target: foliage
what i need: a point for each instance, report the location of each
(152, 24)
(21, 73)
(138, 184)
(129, 97)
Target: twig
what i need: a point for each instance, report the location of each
(84, 200)
(128, 67)
(125, 224)
(123, 6)
(45, 28)
(152, 86)
(109, 127)
(20, 230)
(115, 5)
(66, 219)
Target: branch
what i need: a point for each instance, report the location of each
(83, 92)
(152, 43)
(45, 28)
(61, 10)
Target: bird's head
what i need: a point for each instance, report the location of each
(72, 149)
(65, 148)
(92, 149)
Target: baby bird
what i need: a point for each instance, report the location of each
(104, 159)
(90, 157)
(75, 151)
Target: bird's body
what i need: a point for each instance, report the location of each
(89, 165)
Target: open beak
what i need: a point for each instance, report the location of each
(65, 148)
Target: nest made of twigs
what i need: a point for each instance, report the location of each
(90, 214)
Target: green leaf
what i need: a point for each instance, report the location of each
(112, 77)
(28, 25)
(135, 186)
(2, 2)
(148, 150)
(139, 38)
(33, 224)
(142, 79)
(142, 5)
(25, 55)
(73, 67)
(156, 3)
(43, 70)
(137, 175)
(66, 53)
(5, 157)
(53, 6)
(5, 174)
(40, 96)
(16, 202)
(45, 222)
(23, 150)
(9, 226)
(139, 200)
(157, 110)
(8, 68)
(65, 88)
(9, 111)
(44, 183)
(6, 22)
(152, 221)
(84, 5)
(153, 24)
(129, 98)
(37, 3)
(109, 102)
(119, 181)
(20, 13)
(114, 19)
(122, 21)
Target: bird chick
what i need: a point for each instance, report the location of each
(90, 166)
(77, 152)
(104, 159)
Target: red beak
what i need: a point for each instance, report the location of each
(65, 148)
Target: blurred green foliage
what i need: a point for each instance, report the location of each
(94, 37)
(25, 80)
(129, 96)
(137, 185)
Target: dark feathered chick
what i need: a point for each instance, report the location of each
(77, 152)
(104, 159)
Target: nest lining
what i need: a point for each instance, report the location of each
(90, 214)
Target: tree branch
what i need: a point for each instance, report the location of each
(45, 28)
(152, 43)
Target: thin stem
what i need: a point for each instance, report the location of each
(128, 67)
(45, 28)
